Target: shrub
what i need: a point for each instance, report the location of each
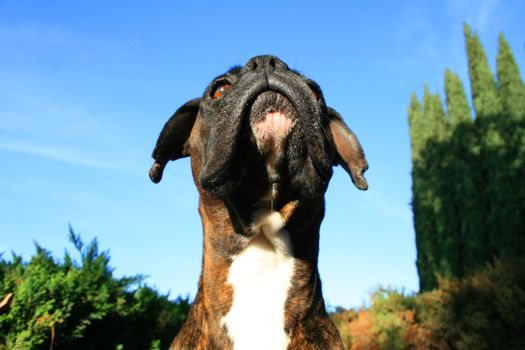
(487, 309)
(71, 305)
(483, 311)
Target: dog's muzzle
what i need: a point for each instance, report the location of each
(281, 110)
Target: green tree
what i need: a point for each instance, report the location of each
(463, 192)
(483, 84)
(508, 214)
(458, 109)
(434, 124)
(468, 188)
(429, 129)
(487, 106)
(510, 86)
(422, 214)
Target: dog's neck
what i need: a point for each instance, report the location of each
(261, 276)
(258, 286)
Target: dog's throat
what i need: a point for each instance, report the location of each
(260, 276)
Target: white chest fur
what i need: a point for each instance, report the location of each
(261, 276)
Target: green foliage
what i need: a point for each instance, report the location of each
(456, 100)
(431, 175)
(81, 305)
(482, 311)
(468, 188)
(484, 92)
(510, 85)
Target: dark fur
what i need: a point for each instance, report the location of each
(232, 180)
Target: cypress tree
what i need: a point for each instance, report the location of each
(492, 143)
(484, 92)
(508, 216)
(510, 86)
(440, 124)
(426, 168)
(463, 170)
(428, 187)
(442, 178)
(458, 109)
(417, 144)
(468, 187)
(414, 121)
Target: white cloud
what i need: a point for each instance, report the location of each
(389, 208)
(431, 41)
(477, 13)
(417, 41)
(57, 153)
(33, 34)
(486, 10)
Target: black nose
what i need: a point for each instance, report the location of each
(266, 63)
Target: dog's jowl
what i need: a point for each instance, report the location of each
(262, 143)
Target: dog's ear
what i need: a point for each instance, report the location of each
(172, 139)
(349, 153)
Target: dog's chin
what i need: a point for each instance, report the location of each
(272, 119)
(271, 154)
(278, 131)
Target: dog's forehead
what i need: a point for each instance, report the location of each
(231, 75)
(235, 71)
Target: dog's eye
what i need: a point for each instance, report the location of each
(315, 91)
(220, 90)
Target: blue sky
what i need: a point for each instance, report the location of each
(85, 87)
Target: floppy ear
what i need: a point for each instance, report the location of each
(172, 139)
(349, 153)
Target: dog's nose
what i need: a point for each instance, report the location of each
(266, 63)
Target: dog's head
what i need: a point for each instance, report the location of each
(259, 127)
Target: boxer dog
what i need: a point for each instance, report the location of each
(262, 143)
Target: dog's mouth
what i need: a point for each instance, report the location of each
(272, 119)
(268, 144)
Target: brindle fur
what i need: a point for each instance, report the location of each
(233, 183)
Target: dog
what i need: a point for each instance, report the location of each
(262, 143)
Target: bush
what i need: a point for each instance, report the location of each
(487, 309)
(72, 305)
(483, 311)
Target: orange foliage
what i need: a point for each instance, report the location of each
(360, 330)
(482, 311)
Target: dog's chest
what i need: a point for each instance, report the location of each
(261, 276)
